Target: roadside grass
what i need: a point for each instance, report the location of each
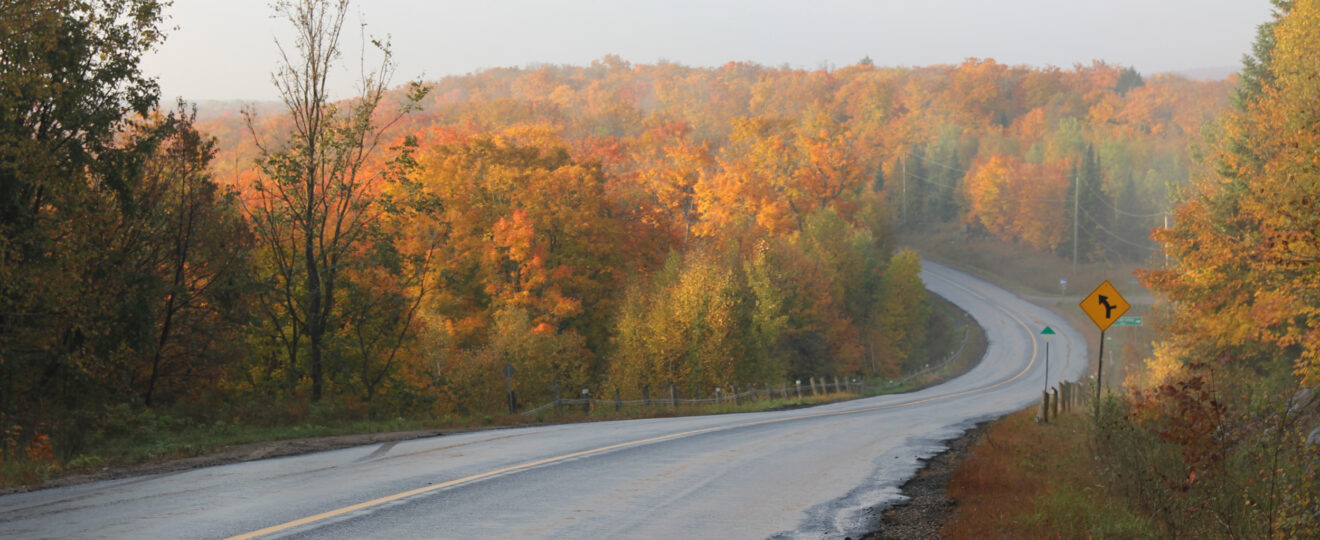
(157, 437)
(1029, 480)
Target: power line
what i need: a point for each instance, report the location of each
(1114, 234)
(1084, 212)
(965, 171)
(1105, 199)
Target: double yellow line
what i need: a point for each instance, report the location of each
(531, 464)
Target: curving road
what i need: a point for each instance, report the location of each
(809, 473)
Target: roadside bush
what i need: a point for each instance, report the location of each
(1211, 455)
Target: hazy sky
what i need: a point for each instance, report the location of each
(224, 49)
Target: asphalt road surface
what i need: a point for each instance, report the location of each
(805, 473)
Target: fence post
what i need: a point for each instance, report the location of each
(557, 405)
(646, 394)
(1054, 401)
(812, 380)
(1043, 414)
(736, 400)
(837, 388)
(673, 395)
(717, 395)
(586, 401)
(618, 403)
(798, 385)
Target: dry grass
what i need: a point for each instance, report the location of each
(1028, 480)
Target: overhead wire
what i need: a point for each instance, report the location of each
(1105, 199)
(1093, 188)
(1083, 210)
(965, 171)
(1115, 235)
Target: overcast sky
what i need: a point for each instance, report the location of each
(224, 49)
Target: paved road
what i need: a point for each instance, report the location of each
(808, 473)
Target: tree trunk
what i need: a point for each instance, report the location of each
(315, 322)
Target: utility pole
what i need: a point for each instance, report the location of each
(1077, 189)
(1162, 248)
(902, 159)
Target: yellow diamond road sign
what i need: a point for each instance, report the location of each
(1104, 305)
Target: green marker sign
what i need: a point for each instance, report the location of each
(1047, 332)
(1128, 321)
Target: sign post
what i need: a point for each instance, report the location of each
(1047, 332)
(1104, 306)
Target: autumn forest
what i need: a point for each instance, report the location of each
(610, 226)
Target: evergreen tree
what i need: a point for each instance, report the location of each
(1128, 80)
(912, 188)
(1256, 72)
(1093, 214)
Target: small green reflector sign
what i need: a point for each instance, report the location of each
(1047, 331)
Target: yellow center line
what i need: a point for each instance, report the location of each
(451, 483)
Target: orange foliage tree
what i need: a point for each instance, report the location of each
(1018, 200)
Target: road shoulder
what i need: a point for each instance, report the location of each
(928, 506)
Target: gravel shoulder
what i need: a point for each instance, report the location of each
(928, 506)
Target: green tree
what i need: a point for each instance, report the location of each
(69, 83)
(193, 248)
(1257, 72)
(1127, 80)
(904, 311)
(1090, 209)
